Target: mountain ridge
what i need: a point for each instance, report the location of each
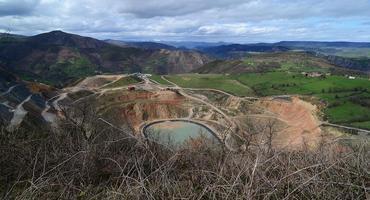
(145, 44)
(57, 58)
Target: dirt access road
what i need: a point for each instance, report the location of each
(233, 125)
(299, 116)
(302, 125)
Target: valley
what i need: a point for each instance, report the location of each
(105, 104)
(190, 100)
(256, 84)
(185, 99)
(225, 104)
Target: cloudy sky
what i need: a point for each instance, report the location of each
(241, 21)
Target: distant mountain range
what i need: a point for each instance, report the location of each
(58, 57)
(267, 62)
(193, 45)
(314, 44)
(240, 50)
(183, 45)
(144, 45)
(8, 35)
(232, 50)
(351, 55)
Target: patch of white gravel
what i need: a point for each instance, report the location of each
(49, 117)
(18, 114)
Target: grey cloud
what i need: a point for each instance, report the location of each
(294, 9)
(155, 8)
(17, 7)
(205, 20)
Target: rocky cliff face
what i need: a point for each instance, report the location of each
(138, 113)
(136, 107)
(362, 64)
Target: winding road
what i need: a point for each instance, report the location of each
(232, 125)
(9, 90)
(208, 89)
(344, 127)
(181, 91)
(146, 81)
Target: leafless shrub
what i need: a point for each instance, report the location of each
(109, 163)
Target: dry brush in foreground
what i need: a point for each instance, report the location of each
(95, 161)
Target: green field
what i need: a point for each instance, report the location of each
(158, 79)
(348, 101)
(300, 67)
(213, 81)
(277, 83)
(124, 81)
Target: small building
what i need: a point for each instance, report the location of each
(351, 77)
(313, 74)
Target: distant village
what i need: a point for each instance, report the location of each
(323, 75)
(315, 74)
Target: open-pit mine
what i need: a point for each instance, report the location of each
(139, 103)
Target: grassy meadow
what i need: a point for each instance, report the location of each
(348, 101)
(124, 81)
(213, 81)
(159, 79)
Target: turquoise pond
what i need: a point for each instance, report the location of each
(177, 132)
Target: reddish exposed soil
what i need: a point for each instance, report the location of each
(302, 126)
(147, 106)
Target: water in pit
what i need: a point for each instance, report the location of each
(177, 133)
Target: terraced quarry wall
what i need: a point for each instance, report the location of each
(145, 102)
(136, 107)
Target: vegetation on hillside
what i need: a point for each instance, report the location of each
(347, 100)
(124, 81)
(158, 79)
(279, 73)
(59, 58)
(268, 62)
(213, 81)
(294, 62)
(351, 52)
